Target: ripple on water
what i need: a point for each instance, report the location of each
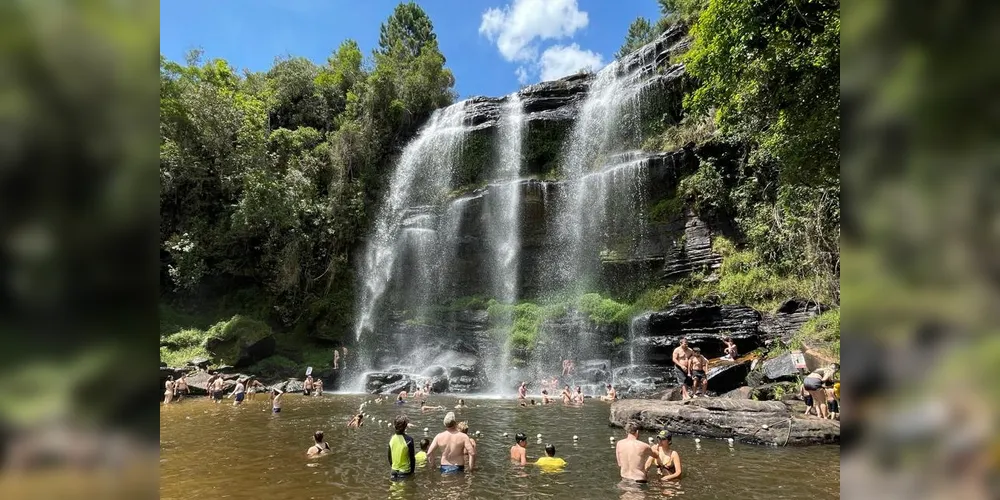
(248, 453)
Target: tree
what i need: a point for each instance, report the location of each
(640, 32)
(406, 31)
(769, 70)
(686, 11)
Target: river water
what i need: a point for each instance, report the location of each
(211, 451)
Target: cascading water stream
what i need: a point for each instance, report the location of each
(422, 175)
(504, 229)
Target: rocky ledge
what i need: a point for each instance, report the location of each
(747, 421)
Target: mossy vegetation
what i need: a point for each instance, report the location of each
(821, 333)
(223, 342)
(667, 209)
(692, 129)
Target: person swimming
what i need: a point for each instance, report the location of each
(567, 396)
(319, 447)
(550, 461)
(461, 404)
(545, 397)
(402, 458)
(421, 455)
(578, 397)
(519, 452)
(632, 454)
(357, 421)
(522, 391)
(424, 408)
(401, 397)
(668, 461)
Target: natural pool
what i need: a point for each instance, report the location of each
(211, 451)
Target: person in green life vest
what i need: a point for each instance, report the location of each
(421, 455)
(402, 458)
(550, 462)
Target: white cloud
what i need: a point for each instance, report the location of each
(516, 26)
(522, 75)
(560, 60)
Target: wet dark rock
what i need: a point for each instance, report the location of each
(199, 362)
(789, 318)
(739, 393)
(740, 419)
(780, 368)
(293, 385)
(727, 376)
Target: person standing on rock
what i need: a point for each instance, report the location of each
(336, 359)
(681, 358)
(730, 350)
(632, 455)
(698, 365)
(814, 384)
(344, 359)
(611, 396)
(454, 447)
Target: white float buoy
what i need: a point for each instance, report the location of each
(763, 426)
(539, 436)
(697, 440)
(505, 434)
(425, 429)
(575, 437)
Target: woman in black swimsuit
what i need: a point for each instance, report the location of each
(814, 384)
(668, 461)
(319, 447)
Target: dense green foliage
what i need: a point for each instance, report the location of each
(268, 180)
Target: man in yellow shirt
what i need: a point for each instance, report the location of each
(550, 463)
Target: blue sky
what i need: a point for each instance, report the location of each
(490, 45)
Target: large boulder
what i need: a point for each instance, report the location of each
(781, 368)
(240, 342)
(727, 376)
(759, 422)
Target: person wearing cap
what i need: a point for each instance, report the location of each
(668, 461)
(519, 452)
(454, 447)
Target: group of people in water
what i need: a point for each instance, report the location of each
(458, 451)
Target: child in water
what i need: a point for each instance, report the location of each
(550, 461)
(519, 452)
(421, 455)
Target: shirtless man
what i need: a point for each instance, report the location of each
(522, 391)
(336, 359)
(699, 364)
(401, 398)
(181, 388)
(681, 360)
(216, 389)
(578, 397)
(239, 392)
(454, 446)
(460, 405)
(276, 400)
(567, 396)
(632, 455)
(168, 390)
(611, 396)
(307, 386)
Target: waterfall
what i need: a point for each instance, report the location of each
(504, 228)
(422, 175)
(606, 122)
